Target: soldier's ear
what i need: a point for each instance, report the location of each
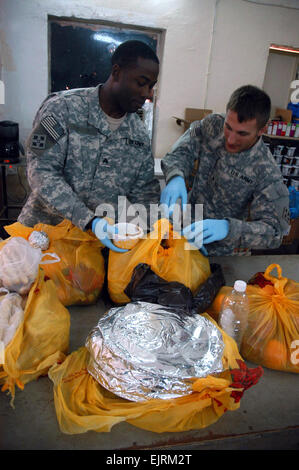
(263, 130)
(115, 72)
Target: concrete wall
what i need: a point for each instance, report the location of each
(211, 47)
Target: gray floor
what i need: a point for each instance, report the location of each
(268, 417)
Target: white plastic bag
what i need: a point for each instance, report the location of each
(11, 315)
(19, 263)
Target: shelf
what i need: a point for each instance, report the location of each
(283, 137)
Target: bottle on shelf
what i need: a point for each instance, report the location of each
(234, 312)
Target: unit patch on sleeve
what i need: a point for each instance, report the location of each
(38, 141)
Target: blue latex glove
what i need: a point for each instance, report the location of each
(104, 231)
(176, 188)
(206, 231)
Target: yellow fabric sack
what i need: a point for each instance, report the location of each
(272, 336)
(166, 255)
(40, 340)
(82, 404)
(79, 276)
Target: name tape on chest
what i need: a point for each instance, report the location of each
(135, 143)
(238, 175)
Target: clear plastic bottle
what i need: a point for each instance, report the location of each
(234, 312)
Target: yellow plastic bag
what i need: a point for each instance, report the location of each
(272, 336)
(79, 276)
(166, 255)
(41, 340)
(82, 404)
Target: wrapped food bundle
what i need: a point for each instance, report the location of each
(143, 350)
(80, 271)
(169, 256)
(82, 404)
(11, 316)
(273, 323)
(35, 331)
(19, 264)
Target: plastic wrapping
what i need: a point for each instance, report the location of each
(39, 239)
(207, 292)
(143, 350)
(147, 286)
(11, 316)
(19, 264)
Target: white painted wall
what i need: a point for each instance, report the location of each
(211, 47)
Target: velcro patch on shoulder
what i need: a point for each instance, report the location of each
(195, 129)
(53, 128)
(38, 141)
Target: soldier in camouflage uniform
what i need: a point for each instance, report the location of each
(245, 202)
(88, 146)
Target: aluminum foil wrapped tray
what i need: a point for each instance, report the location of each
(142, 351)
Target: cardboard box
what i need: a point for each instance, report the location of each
(284, 114)
(192, 114)
(293, 233)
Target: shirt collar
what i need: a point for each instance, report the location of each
(97, 118)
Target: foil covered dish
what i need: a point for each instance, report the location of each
(142, 351)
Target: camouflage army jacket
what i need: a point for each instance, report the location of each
(245, 188)
(76, 163)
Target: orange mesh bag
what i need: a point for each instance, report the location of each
(79, 276)
(41, 339)
(168, 256)
(272, 336)
(82, 404)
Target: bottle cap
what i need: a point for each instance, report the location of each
(240, 286)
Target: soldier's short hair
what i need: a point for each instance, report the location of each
(127, 53)
(250, 102)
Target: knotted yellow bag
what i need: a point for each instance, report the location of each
(79, 276)
(169, 256)
(40, 340)
(272, 336)
(82, 404)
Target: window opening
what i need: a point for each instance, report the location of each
(80, 55)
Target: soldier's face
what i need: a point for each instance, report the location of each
(240, 136)
(134, 84)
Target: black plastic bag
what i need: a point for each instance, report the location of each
(207, 292)
(146, 286)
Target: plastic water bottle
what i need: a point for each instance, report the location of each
(234, 312)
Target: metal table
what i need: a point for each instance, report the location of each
(268, 417)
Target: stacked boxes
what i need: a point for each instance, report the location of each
(287, 157)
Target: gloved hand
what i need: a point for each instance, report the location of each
(207, 231)
(173, 190)
(102, 230)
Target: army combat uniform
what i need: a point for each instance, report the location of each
(76, 163)
(244, 188)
